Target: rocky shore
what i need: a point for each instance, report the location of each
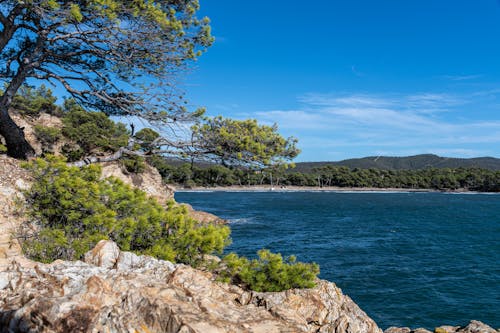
(115, 291)
(473, 327)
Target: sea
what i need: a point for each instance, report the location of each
(407, 259)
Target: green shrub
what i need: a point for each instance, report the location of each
(3, 149)
(73, 209)
(72, 152)
(269, 272)
(31, 102)
(47, 136)
(133, 163)
(92, 130)
(146, 136)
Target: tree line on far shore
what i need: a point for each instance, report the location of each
(445, 179)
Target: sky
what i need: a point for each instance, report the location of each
(360, 77)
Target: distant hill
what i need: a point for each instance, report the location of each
(406, 163)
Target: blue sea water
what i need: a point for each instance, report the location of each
(407, 259)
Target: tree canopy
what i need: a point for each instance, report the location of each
(120, 57)
(243, 143)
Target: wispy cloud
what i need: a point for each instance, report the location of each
(368, 124)
(462, 77)
(356, 72)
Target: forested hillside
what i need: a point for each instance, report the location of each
(417, 162)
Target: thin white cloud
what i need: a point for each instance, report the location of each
(363, 124)
(462, 77)
(356, 72)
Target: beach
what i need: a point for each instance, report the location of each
(266, 188)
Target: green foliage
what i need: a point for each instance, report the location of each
(181, 174)
(73, 209)
(244, 142)
(145, 42)
(133, 163)
(31, 102)
(91, 131)
(47, 136)
(269, 272)
(3, 149)
(444, 179)
(213, 176)
(146, 137)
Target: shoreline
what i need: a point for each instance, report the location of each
(267, 188)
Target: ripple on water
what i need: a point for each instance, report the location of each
(408, 259)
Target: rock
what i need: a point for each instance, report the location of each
(104, 254)
(398, 330)
(130, 293)
(204, 217)
(149, 181)
(13, 179)
(478, 327)
(446, 329)
(421, 330)
(28, 124)
(473, 327)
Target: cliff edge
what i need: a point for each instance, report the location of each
(114, 291)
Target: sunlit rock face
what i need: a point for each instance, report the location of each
(115, 291)
(473, 327)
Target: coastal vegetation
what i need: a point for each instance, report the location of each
(415, 162)
(445, 179)
(243, 143)
(118, 58)
(71, 209)
(269, 272)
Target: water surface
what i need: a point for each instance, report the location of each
(407, 259)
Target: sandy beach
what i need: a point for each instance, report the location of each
(267, 188)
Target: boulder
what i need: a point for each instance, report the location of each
(473, 327)
(115, 291)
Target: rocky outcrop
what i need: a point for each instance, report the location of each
(473, 327)
(204, 217)
(13, 179)
(116, 291)
(28, 126)
(148, 181)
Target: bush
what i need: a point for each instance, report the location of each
(269, 272)
(146, 136)
(92, 130)
(47, 136)
(72, 152)
(73, 209)
(31, 102)
(3, 149)
(133, 163)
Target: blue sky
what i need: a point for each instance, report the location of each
(360, 77)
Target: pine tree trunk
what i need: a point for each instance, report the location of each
(16, 143)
